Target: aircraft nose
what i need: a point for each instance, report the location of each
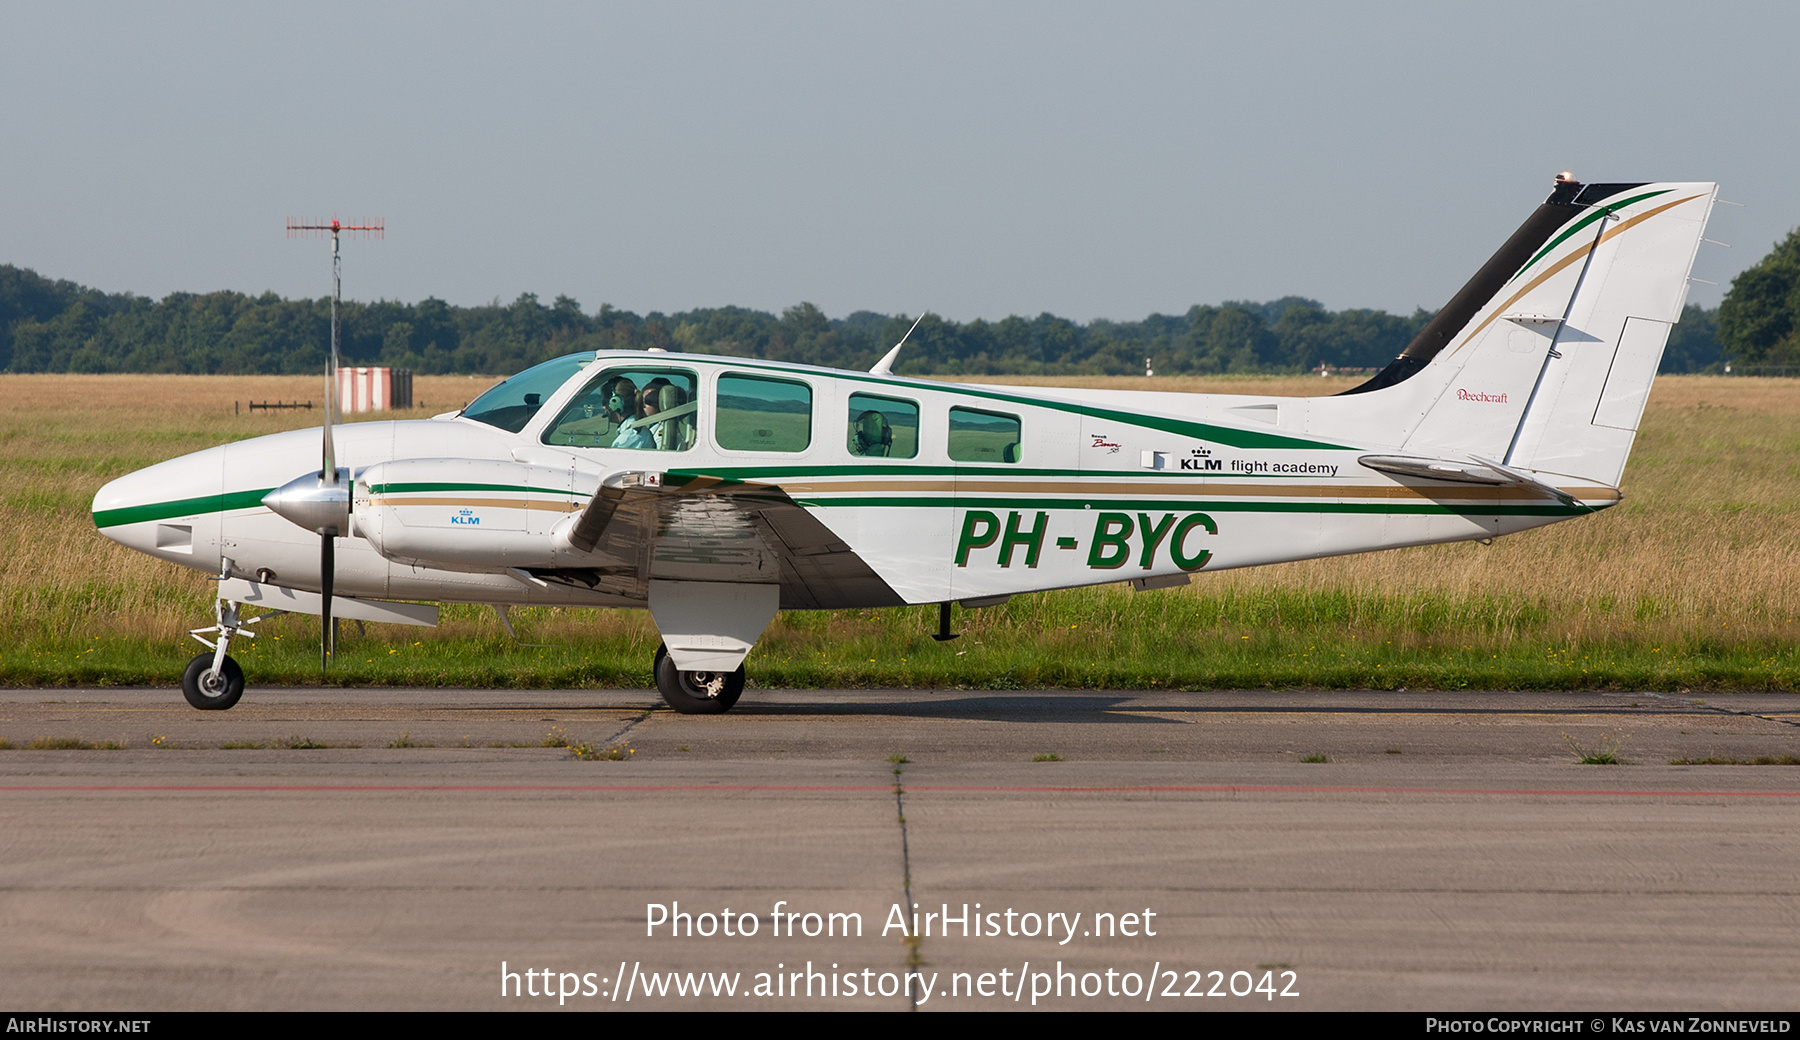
(169, 510)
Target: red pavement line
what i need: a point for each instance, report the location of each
(910, 789)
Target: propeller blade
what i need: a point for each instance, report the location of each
(328, 455)
(328, 459)
(327, 564)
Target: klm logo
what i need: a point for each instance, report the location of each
(466, 517)
(1199, 459)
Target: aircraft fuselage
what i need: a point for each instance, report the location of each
(990, 491)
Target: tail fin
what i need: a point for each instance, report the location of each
(1544, 360)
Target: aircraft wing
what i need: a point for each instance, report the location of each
(695, 527)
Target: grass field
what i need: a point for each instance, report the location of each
(1690, 584)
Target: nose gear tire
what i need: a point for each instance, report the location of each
(209, 690)
(696, 693)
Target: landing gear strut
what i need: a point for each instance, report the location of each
(213, 681)
(697, 693)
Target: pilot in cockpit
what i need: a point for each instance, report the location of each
(634, 432)
(673, 429)
(871, 436)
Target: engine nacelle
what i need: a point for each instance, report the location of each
(472, 514)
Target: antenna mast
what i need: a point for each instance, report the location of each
(331, 493)
(376, 228)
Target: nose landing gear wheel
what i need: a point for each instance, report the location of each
(209, 690)
(696, 693)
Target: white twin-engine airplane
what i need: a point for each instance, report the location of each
(716, 491)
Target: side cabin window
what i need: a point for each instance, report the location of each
(761, 414)
(882, 427)
(511, 404)
(644, 409)
(983, 436)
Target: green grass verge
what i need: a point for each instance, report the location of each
(1080, 639)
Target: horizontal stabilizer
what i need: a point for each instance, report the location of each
(1476, 470)
(1436, 469)
(1527, 480)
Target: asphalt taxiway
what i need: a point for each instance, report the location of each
(358, 848)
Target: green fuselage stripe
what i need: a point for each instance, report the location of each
(767, 474)
(824, 499)
(253, 499)
(514, 489)
(182, 507)
(1190, 505)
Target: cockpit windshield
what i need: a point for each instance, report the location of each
(512, 404)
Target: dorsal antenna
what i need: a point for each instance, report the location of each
(885, 367)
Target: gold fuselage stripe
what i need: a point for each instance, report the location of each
(1409, 492)
(1485, 492)
(503, 503)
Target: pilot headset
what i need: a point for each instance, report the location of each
(872, 429)
(617, 402)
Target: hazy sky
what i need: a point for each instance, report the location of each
(977, 160)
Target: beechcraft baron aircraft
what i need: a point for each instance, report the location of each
(716, 491)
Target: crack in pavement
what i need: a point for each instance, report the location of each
(628, 727)
(913, 960)
(1703, 706)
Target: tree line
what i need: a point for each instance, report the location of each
(1760, 318)
(59, 326)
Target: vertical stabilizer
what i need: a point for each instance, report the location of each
(1584, 414)
(1547, 368)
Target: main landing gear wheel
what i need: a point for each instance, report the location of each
(696, 693)
(209, 690)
